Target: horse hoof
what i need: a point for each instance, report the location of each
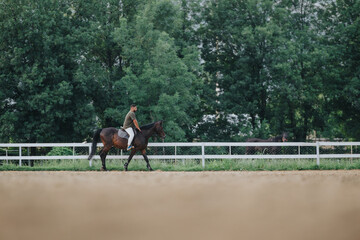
(103, 169)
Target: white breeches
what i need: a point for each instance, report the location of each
(130, 131)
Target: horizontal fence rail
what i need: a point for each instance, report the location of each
(199, 150)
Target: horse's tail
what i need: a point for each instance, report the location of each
(96, 139)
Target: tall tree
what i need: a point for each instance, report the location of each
(40, 46)
(341, 24)
(238, 42)
(103, 61)
(158, 80)
(298, 71)
(267, 63)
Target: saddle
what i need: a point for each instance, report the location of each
(123, 134)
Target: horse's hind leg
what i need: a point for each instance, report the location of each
(248, 151)
(103, 154)
(143, 152)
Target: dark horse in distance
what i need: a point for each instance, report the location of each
(271, 149)
(110, 138)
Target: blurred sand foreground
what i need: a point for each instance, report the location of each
(180, 205)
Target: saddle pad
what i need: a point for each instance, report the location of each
(123, 134)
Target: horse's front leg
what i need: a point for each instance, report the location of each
(129, 159)
(143, 152)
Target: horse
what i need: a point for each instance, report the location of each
(271, 150)
(110, 138)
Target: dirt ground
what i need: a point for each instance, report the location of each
(180, 205)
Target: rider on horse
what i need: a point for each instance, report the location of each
(130, 123)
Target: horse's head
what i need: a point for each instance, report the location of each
(159, 129)
(285, 137)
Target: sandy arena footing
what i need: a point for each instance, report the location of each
(294, 205)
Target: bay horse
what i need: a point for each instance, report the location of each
(271, 149)
(110, 138)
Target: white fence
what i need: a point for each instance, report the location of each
(201, 150)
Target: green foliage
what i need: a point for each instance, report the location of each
(39, 53)
(60, 151)
(212, 70)
(272, 62)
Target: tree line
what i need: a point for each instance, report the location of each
(213, 70)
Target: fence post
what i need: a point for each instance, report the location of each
(317, 153)
(90, 162)
(29, 161)
(203, 154)
(175, 153)
(20, 154)
(73, 154)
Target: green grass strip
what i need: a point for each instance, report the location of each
(187, 165)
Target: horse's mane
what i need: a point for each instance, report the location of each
(148, 126)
